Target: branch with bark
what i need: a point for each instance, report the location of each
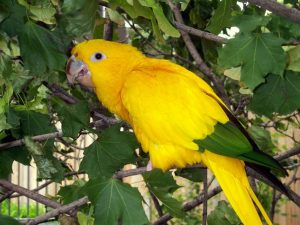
(59, 210)
(277, 8)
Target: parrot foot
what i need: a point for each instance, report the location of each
(149, 166)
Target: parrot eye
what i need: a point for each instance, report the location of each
(98, 56)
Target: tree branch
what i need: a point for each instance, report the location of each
(288, 154)
(60, 210)
(61, 93)
(198, 59)
(200, 33)
(278, 9)
(41, 137)
(205, 190)
(30, 194)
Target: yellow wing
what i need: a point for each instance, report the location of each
(168, 108)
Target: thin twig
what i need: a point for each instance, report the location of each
(61, 93)
(288, 154)
(47, 183)
(156, 205)
(41, 137)
(128, 173)
(205, 190)
(273, 206)
(278, 9)
(60, 210)
(200, 33)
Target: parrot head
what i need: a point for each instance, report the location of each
(98, 63)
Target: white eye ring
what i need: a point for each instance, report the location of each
(98, 56)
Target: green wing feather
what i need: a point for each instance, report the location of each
(227, 139)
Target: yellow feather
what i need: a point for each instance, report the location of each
(168, 107)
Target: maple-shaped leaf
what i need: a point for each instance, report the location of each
(258, 54)
(163, 190)
(109, 153)
(115, 202)
(40, 45)
(74, 117)
(278, 94)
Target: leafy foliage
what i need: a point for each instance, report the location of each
(257, 54)
(278, 94)
(163, 190)
(221, 17)
(223, 214)
(260, 62)
(109, 153)
(115, 202)
(73, 117)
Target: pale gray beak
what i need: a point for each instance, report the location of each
(78, 72)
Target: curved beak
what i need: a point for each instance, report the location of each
(78, 72)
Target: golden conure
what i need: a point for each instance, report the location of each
(176, 117)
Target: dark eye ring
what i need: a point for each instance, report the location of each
(98, 56)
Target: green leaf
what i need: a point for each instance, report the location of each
(4, 103)
(31, 124)
(233, 73)
(40, 49)
(40, 12)
(284, 28)
(162, 21)
(109, 153)
(14, 22)
(278, 94)
(6, 162)
(7, 157)
(163, 190)
(74, 117)
(78, 17)
(48, 166)
(221, 17)
(248, 23)
(34, 123)
(115, 202)
(257, 54)
(7, 220)
(193, 174)
(294, 59)
(70, 193)
(84, 219)
(132, 12)
(223, 214)
(262, 138)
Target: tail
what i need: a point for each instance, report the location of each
(232, 178)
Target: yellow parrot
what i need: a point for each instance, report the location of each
(177, 118)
